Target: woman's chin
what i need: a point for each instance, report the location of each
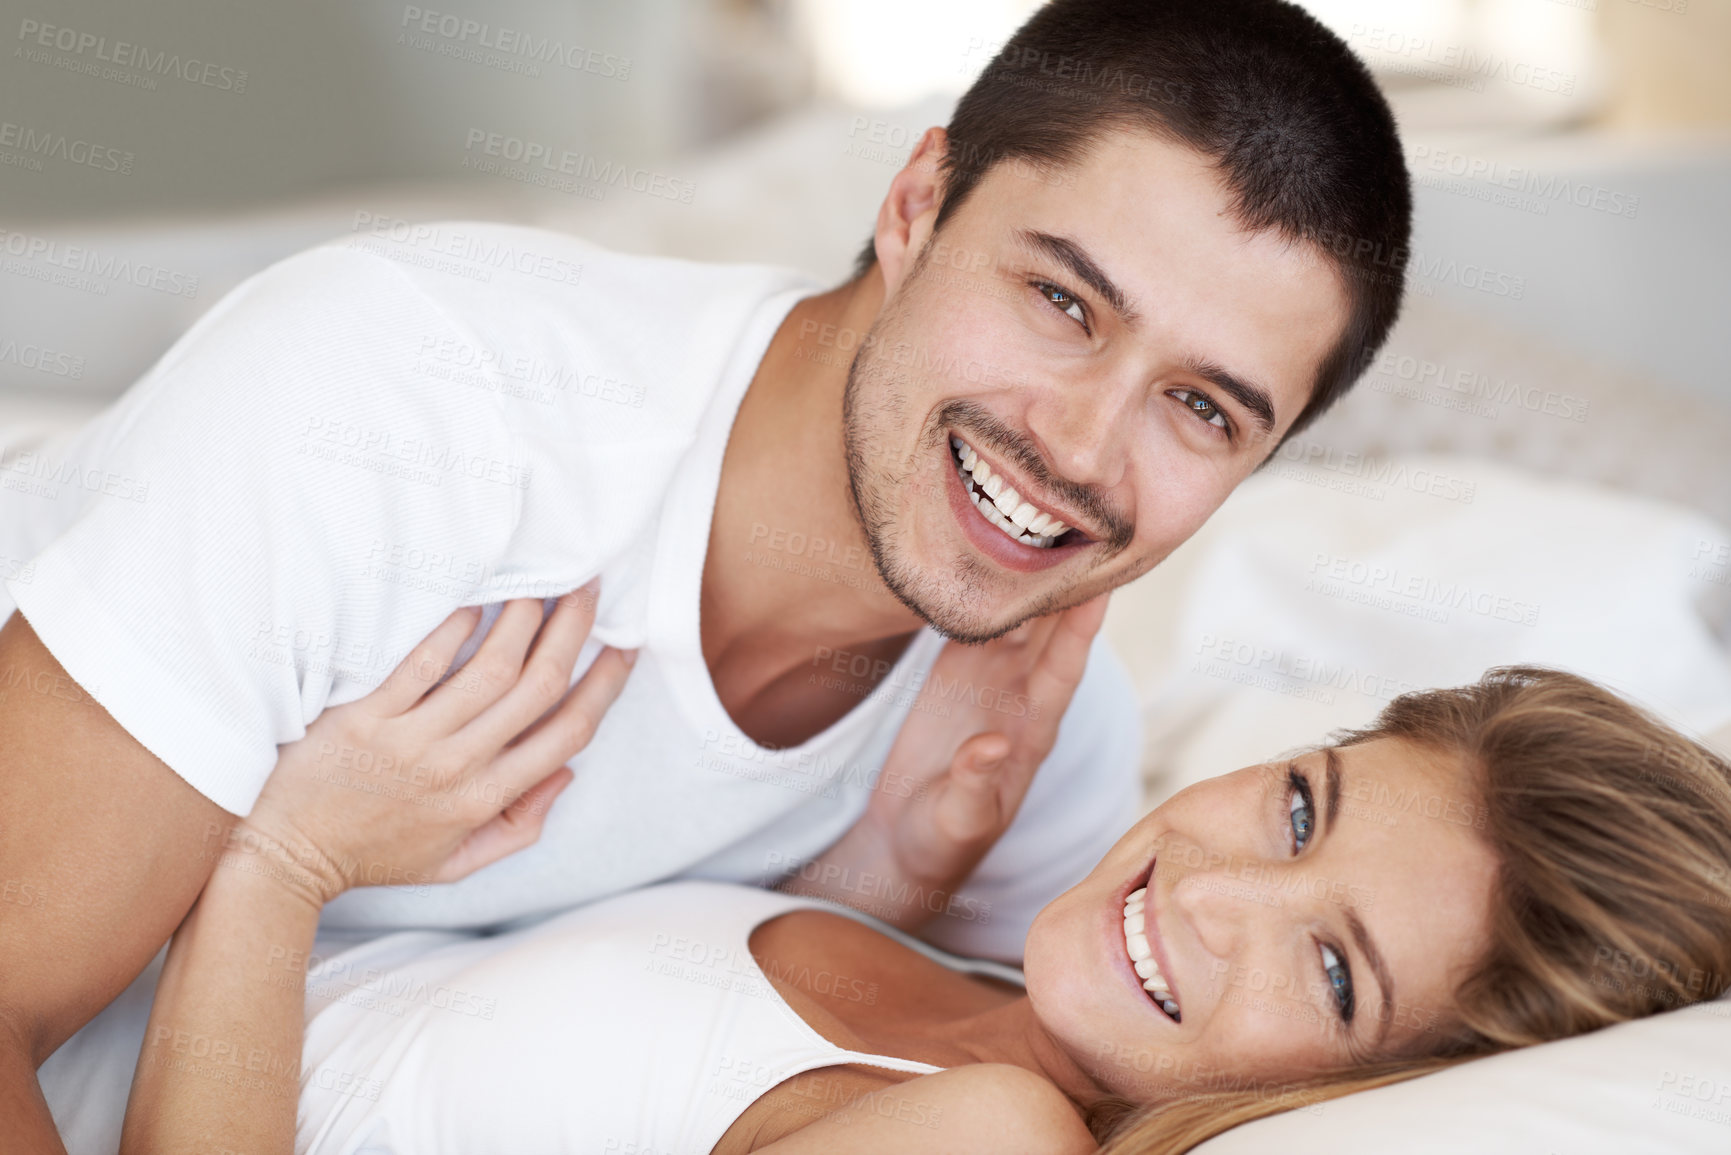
(1064, 976)
(1055, 932)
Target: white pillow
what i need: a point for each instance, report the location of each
(1660, 1086)
(1326, 585)
(1270, 628)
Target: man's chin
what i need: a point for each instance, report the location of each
(970, 633)
(962, 609)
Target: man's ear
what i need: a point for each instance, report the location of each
(909, 209)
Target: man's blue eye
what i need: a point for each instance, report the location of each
(1300, 813)
(1200, 404)
(1064, 303)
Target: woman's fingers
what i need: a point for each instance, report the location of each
(424, 665)
(532, 770)
(562, 734)
(991, 773)
(512, 829)
(490, 672)
(969, 805)
(545, 676)
(1059, 668)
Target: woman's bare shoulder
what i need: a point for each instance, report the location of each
(989, 1108)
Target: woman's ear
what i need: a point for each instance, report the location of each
(906, 217)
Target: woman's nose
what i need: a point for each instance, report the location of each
(1223, 905)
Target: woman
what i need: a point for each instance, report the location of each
(1435, 887)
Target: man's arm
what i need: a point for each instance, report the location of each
(103, 849)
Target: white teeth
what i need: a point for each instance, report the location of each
(1142, 956)
(1004, 507)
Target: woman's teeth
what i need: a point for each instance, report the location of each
(1136, 943)
(1001, 505)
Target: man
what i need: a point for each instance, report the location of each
(1155, 239)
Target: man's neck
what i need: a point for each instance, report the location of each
(788, 576)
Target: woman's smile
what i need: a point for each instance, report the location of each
(1141, 944)
(1133, 937)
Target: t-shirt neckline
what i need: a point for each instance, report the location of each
(682, 548)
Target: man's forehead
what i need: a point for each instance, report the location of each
(1129, 196)
(1142, 156)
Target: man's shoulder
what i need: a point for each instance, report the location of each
(536, 328)
(496, 267)
(553, 324)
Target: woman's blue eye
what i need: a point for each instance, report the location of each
(1300, 811)
(1200, 404)
(1339, 977)
(1064, 303)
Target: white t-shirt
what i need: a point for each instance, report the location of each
(367, 435)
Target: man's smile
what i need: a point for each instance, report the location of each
(1018, 517)
(1029, 525)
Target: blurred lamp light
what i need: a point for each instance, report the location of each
(887, 53)
(1475, 62)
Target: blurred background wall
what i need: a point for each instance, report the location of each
(1577, 149)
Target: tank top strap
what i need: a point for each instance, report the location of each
(887, 1062)
(972, 966)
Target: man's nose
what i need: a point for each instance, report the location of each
(1084, 425)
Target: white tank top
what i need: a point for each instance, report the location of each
(636, 1025)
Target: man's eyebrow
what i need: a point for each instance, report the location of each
(1332, 789)
(1248, 394)
(1075, 258)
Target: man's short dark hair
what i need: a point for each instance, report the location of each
(1290, 117)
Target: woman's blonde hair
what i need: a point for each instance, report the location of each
(1613, 896)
